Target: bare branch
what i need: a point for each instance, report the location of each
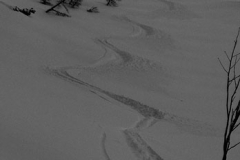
(238, 108)
(236, 126)
(227, 55)
(65, 7)
(232, 116)
(237, 115)
(234, 78)
(234, 71)
(238, 59)
(222, 66)
(235, 43)
(234, 146)
(233, 51)
(236, 55)
(52, 8)
(232, 90)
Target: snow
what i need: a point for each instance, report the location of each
(139, 81)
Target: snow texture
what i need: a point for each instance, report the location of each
(140, 81)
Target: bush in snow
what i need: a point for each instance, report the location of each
(111, 3)
(25, 11)
(93, 10)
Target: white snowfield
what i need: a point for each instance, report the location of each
(140, 81)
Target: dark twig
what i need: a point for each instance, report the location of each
(222, 66)
(56, 5)
(234, 146)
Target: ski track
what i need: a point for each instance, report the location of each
(136, 143)
(139, 147)
(150, 117)
(147, 31)
(174, 11)
(144, 123)
(124, 61)
(144, 30)
(103, 144)
(129, 61)
(120, 61)
(188, 125)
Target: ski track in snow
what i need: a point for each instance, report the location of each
(168, 9)
(151, 116)
(139, 147)
(103, 144)
(119, 61)
(147, 31)
(174, 11)
(124, 61)
(137, 144)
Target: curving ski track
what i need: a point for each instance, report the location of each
(137, 144)
(139, 147)
(150, 116)
(124, 60)
(115, 64)
(115, 60)
(146, 31)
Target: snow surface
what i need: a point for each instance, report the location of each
(139, 81)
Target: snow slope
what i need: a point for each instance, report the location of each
(140, 81)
